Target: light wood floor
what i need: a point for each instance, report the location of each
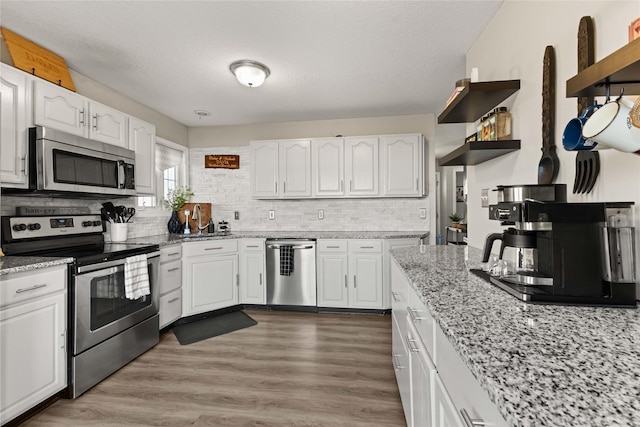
(292, 369)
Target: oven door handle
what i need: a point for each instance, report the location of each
(103, 265)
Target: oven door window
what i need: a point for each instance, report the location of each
(73, 168)
(109, 302)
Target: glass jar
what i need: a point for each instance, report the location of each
(503, 123)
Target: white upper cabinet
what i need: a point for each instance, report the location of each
(281, 169)
(295, 168)
(264, 179)
(107, 125)
(13, 127)
(361, 166)
(328, 167)
(61, 109)
(142, 140)
(401, 165)
(352, 167)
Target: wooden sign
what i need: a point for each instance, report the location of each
(28, 56)
(222, 161)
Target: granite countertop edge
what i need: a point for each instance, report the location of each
(499, 338)
(14, 264)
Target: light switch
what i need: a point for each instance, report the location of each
(272, 214)
(423, 213)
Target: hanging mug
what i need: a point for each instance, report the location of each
(611, 125)
(572, 139)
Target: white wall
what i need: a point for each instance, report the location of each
(512, 47)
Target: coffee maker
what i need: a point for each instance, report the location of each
(563, 253)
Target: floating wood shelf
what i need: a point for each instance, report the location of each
(476, 100)
(621, 69)
(474, 153)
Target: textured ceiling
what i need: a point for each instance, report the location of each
(328, 59)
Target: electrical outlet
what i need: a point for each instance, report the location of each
(236, 214)
(272, 214)
(423, 213)
(484, 197)
(320, 213)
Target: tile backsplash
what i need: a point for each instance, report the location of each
(229, 190)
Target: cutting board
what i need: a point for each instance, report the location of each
(205, 208)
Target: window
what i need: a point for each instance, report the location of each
(171, 171)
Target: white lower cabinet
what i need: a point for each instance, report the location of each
(253, 287)
(400, 355)
(33, 321)
(170, 284)
(349, 273)
(210, 276)
(442, 391)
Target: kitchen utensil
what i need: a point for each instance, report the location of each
(111, 211)
(130, 212)
(549, 164)
(104, 215)
(587, 163)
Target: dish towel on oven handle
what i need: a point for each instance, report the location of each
(136, 277)
(286, 260)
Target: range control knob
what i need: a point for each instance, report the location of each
(34, 226)
(501, 214)
(96, 223)
(19, 227)
(86, 223)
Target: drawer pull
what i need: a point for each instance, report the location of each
(252, 246)
(173, 254)
(412, 345)
(345, 280)
(471, 422)
(333, 247)
(395, 297)
(33, 288)
(213, 249)
(366, 247)
(173, 300)
(414, 315)
(173, 269)
(260, 279)
(396, 365)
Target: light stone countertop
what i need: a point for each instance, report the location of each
(172, 239)
(16, 264)
(542, 365)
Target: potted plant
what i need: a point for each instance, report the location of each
(455, 220)
(175, 200)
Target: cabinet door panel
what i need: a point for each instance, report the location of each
(295, 168)
(264, 181)
(422, 373)
(400, 355)
(401, 165)
(328, 166)
(108, 125)
(60, 109)
(366, 286)
(212, 283)
(33, 363)
(332, 280)
(444, 411)
(142, 140)
(252, 285)
(362, 166)
(13, 127)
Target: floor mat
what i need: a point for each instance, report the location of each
(199, 330)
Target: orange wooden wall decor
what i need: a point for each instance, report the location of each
(222, 161)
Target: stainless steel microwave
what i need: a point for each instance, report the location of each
(64, 163)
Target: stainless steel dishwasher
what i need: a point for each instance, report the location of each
(291, 272)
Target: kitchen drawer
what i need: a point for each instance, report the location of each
(420, 316)
(210, 247)
(367, 246)
(170, 307)
(23, 286)
(399, 292)
(462, 386)
(170, 276)
(170, 253)
(252, 245)
(332, 245)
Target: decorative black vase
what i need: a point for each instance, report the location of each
(174, 225)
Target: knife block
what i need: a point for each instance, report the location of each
(205, 209)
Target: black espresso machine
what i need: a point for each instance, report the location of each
(559, 252)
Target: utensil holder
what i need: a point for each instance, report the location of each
(119, 231)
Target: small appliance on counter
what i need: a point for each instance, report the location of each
(224, 228)
(564, 253)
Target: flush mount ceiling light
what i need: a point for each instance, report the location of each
(202, 113)
(250, 73)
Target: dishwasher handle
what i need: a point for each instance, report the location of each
(292, 247)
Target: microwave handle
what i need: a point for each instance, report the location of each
(121, 174)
